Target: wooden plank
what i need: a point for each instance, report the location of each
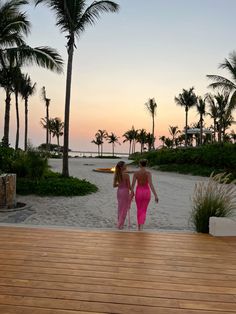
(121, 290)
(49, 271)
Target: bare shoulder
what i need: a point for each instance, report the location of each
(149, 174)
(126, 175)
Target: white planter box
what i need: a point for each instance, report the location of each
(220, 226)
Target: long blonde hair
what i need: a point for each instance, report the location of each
(118, 171)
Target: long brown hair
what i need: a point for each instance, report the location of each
(118, 171)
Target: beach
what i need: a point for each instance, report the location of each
(99, 210)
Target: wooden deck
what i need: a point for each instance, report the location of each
(53, 271)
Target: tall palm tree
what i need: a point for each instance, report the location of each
(186, 99)
(7, 76)
(72, 17)
(14, 52)
(152, 108)
(201, 109)
(27, 89)
(101, 134)
(17, 81)
(47, 103)
(113, 139)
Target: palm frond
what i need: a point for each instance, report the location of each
(220, 82)
(93, 12)
(45, 57)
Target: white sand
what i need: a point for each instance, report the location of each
(99, 210)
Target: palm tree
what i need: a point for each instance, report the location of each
(27, 89)
(213, 113)
(112, 139)
(223, 105)
(128, 135)
(7, 76)
(201, 109)
(17, 81)
(224, 83)
(142, 139)
(72, 17)
(149, 140)
(173, 130)
(101, 134)
(187, 100)
(47, 103)
(97, 142)
(152, 107)
(48, 125)
(57, 130)
(15, 53)
(162, 138)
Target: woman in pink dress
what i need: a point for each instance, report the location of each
(142, 193)
(122, 181)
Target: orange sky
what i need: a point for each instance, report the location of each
(126, 59)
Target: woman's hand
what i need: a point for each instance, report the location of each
(156, 199)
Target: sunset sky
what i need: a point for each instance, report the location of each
(151, 48)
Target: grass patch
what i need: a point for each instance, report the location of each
(54, 184)
(214, 198)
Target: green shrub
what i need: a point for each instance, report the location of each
(217, 157)
(29, 164)
(7, 155)
(214, 198)
(54, 184)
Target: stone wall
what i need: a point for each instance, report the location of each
(7, 191)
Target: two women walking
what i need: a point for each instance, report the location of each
(142, 179)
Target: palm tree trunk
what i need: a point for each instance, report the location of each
(26, 122)
(58, 144)
(47, 126)
(5, 139)
(220, 131)
(186, 125)
(65, 168)
(201, 130)
(153, 128)
(214, 136)
(98, 150)
(17, 121)
(113, 149)
(129, 147)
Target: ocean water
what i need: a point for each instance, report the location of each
(80, 154)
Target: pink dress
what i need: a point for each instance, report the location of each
(142, 199)
(124, 201)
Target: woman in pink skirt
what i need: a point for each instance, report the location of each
(142, 193)
(122, 181)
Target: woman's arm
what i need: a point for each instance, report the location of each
(115, 184)
(128, 180)
(152, 187)
(133, 184)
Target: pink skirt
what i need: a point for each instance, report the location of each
(124, 201)
(142, 199)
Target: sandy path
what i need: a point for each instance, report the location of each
(99, 210)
